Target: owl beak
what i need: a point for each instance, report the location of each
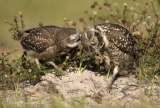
(78, 41)
(79, 38)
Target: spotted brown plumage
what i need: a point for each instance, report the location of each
(113, 42)
(40, 38)
(46, 42)
(118, 35)
(50, 28)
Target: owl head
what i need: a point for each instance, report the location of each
(68, 37)
(90, 40)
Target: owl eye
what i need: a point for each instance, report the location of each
(72, 37)
(93, 43)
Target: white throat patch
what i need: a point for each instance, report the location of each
(72, 45)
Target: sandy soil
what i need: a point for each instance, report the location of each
(72, 85)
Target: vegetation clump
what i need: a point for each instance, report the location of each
(142, 21)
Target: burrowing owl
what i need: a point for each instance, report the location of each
(114, 42)
(46, 42)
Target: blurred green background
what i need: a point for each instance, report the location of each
(49, 12)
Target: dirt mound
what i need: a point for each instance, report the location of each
(93, 88)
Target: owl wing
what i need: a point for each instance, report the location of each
(50, 28)
(39, 39)
(120, 36)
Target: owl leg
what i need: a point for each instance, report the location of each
(37, 62)
(107, 60)
(55, 66)
(112, 78)
(50, 62)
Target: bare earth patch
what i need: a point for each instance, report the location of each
(92, 88)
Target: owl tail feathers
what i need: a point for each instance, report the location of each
(20, 36)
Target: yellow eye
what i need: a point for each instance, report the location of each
(93, 43)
